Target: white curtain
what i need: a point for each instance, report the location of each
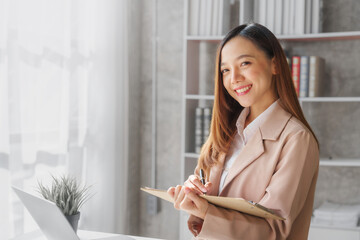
(63, 105)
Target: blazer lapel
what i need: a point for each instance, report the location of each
(251, 151)
(269, 130)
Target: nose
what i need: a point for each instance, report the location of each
(236, 76)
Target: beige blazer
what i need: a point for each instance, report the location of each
(277, 168)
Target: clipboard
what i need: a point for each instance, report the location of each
(238, 204)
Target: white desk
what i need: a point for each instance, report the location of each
(37, 235)
(333, 233)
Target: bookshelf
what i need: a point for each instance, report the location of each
(300, 37)
(192, 97)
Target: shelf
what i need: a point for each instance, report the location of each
(302, 37)
(304, 99)
(198, 97)
(322, 36)
(323, 162)
(335, 227)
(204, 38)
(330, 99)
(340, 162)
(192, 155)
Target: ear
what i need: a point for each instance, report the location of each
(274, 69)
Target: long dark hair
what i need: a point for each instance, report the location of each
(226, 109)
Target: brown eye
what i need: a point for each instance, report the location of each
(245, 63)
(224, 71)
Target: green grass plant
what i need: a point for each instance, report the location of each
(66, 193)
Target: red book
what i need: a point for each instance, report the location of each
(295, 72)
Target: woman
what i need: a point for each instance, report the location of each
(260, 147)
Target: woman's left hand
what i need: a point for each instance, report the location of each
(187, 200)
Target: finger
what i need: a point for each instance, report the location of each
(193, 197)
(190, 183)
(196, 181)
(208, 186)
(177, 191)
(197, 228)
(193, 187)
(179, 199)
(191, 180)
(188, 204)
(194, 229)
(171, 191)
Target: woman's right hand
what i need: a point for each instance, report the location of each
(194, 183)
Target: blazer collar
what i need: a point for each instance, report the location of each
(269, 130)
(275, 123)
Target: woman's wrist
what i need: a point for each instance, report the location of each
(204, 212)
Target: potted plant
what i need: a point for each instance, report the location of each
(68, 195)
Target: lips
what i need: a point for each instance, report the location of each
(243, 90)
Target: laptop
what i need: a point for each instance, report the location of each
(53, 223)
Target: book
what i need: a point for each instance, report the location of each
(316, 26)
(208, 17)
(295, 72)
(215, 18)
(246, 11)
(202, 17)
(288, 59)
(299, 20)
(304, 76)
(199, 116)
(335, 214)
(308, 16)
(278, 17)
(262, 12)
(270, 15)
(206, 123)
(286, 17)
(224, 17)
(316, 75)
(237, 204)
(206, 69)
(193, 24)
(256, 11)
(291, 17)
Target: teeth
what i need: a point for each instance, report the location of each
(243, 89)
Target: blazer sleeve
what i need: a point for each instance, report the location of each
(287, 192)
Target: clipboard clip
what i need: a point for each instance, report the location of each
(261, 207)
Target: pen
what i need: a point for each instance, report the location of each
(202, 179)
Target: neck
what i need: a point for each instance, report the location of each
(256, 111)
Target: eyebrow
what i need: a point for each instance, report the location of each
(239, 57)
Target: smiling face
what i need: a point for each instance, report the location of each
(247, 74)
